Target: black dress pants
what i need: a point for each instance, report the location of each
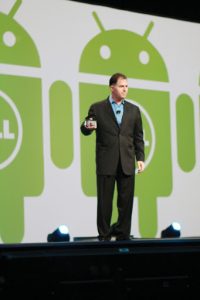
(125, 196)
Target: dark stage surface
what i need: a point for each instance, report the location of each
(84, 269)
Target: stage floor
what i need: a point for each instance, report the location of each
(93, 244)
(88, 269)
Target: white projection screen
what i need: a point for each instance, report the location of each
(48, 78)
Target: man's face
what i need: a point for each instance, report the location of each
(119, 90)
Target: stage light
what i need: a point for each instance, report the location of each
(61, 234)
(172, 231)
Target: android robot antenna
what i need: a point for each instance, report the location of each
(15, 8)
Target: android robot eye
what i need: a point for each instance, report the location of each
(105, 52)
(144, 57)
(9, 39)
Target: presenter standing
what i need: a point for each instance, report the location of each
(119, 143)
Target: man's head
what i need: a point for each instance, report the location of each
(118, 86)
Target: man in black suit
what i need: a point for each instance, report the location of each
(119, 142)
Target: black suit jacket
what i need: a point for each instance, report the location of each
(114, 141)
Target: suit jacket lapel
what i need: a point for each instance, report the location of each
(110, 112)
(125, 114)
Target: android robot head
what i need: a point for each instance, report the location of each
(16, 45)
(127, 51)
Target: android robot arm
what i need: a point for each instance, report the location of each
(185, 132)
(61, 131)
(139, 141)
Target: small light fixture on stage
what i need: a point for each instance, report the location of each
(172, 231)
(61, 234)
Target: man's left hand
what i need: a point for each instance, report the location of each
(140, 165)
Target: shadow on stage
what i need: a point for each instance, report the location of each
(89, 269)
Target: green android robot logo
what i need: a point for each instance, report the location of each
(124, 51)
(21, 133)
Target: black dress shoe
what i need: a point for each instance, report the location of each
(124, 238)
(104, 238)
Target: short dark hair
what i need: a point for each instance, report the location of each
(114, 78)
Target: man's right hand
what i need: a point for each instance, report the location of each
(90, 124)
